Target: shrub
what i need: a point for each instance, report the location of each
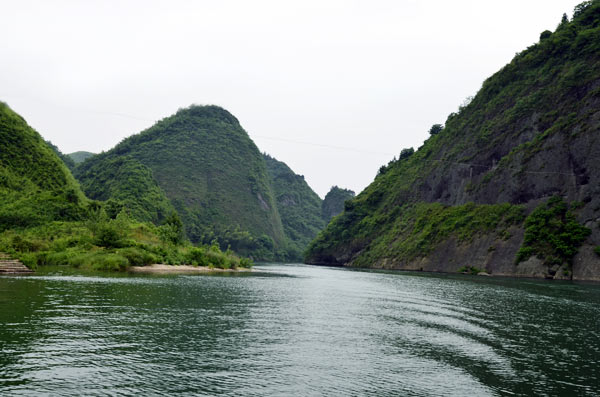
(109, 236)
(545, 34)
(406, 153)
(469, 269)
(552, 234)
(436, 129)
(111, 262)
(246, 262)
(137, 256)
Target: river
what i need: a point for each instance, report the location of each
(297, 330)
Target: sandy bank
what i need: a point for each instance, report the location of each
(173, 269)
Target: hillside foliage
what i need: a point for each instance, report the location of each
(35, 185)
(80, 157)
(201, 163)
(299, 207)
(45, 219)
(491, 151)
(333, 203)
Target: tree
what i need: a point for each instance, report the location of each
(436, 129)
(564, 20)
(406, 153)
(545, 34)
(580, 8)
(172, 229)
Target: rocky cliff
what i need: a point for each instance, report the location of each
(465, 199)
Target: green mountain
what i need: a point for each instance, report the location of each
(510, 184)
(333, 204)
(299, 206)
(129, 183)
(45, 219)
(35, 185)
(203, 164)
(65, 158)
(80, 157)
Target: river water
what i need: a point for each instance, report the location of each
(297, 330)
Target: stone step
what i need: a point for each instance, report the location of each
(20, 266)
(14, 267)
(9, 265)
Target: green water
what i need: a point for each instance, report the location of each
(297, 330)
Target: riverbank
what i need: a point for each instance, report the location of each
(178, 269)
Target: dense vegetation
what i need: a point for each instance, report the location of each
(101, 243)
(65, 158)
(552, 233)
(45, 219)
(333, 203)
(413, 230)
(130, 185)
(35, 185)
(201, 163)
(528, 134)
(299, 207)
(80, 157)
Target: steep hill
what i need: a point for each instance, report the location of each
(35, 185)
(299, 206)
(201, 162)
(333, 203)
(65, 158)
(80, 157)
(130, 183)
(510, 185)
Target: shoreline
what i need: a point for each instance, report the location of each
(178, 269)
(482, 274)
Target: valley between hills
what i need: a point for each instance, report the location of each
(507, 185)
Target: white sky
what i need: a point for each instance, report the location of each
(333, 88)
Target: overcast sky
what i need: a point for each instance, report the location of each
(334, 89)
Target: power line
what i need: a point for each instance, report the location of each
(322, 145)
(119, 114)
(79, 109)
(291, 140)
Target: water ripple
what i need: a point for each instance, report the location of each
(297, 330)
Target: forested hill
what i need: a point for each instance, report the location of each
(299, 206)
(35, 185)
(510, 185)
(80, 157)
(333, 203)
(201, 163)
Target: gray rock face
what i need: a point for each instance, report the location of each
(531, 132)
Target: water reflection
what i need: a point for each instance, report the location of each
(297, 330)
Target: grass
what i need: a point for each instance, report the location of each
(78, 244)
(416, 229)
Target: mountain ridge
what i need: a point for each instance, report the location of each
(202, 164)
(528, 135)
